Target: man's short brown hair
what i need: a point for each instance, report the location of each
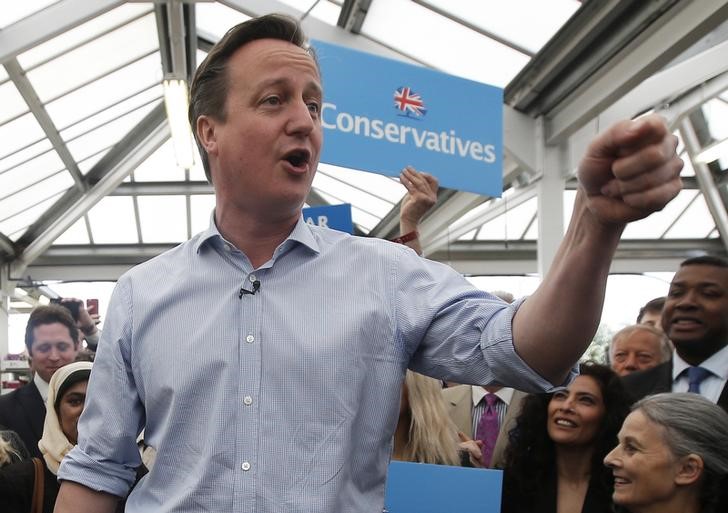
(49, 314)
(208, 91)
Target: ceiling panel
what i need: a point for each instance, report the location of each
(115, 87)
(163, 218)
(27, 174)
(19, 157)
(15, 225)
(95, 140)
(695, 223)
(15, 11)
(113, 221)
(160, 166)
(76, 234)
(109, 52)
(82, 34)
(657, 224)
(527, 23)
(201, 206)
(12, 103)
(19, 133)
(409, 27)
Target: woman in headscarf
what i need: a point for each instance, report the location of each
(20, 481)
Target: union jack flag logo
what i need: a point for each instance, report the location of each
(409, 103)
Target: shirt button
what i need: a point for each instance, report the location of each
(250, 339)
(252, 278)
(245, 466)
(247, 400)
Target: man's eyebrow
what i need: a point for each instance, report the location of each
(273, 82)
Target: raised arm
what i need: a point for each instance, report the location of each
(628, 172)
(421, 196)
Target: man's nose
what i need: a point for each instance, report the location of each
(631, 363)
(300, 121)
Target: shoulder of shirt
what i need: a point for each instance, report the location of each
(172, 256)
(328, 238)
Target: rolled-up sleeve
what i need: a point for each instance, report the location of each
(106, 456)
(456, 332)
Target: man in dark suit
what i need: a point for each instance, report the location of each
(51, 337)
(695, 319)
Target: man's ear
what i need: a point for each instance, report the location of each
(690, 469)
(206, 133)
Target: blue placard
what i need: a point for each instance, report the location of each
(380, 115)
(423, 488)
(336, 217)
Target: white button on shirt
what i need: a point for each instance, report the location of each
(247, 400)
(250, 339)
(245, 466)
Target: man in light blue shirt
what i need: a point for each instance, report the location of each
(265, 357)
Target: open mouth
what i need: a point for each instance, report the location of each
(297, 158)
(564, 423)
(620, 481)
(685, 323)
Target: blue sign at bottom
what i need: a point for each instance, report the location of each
(423, 488)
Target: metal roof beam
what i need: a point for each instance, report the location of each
(26, 90)
(315, 28)
(497, 207)
(103, 178)
(162, 189)
(108, 262)
(655, 46)
(53, 20)
(353, 13)
(488, 258)
(716, 206)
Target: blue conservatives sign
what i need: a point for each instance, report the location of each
(423, 488)
(337, 217)
(380, 115)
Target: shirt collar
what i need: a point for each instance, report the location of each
(505, 394)
(42, 387)
(302, 233)
(717, 364)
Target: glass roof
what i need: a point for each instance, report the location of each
(99, 79)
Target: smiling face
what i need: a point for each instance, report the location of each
(52, 348)
(264, 154)
(575, 414)
(70, 408)
(695, 316)
(647, 475)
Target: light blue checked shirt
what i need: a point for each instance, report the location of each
(285, 400)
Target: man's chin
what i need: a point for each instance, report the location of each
(694, 350)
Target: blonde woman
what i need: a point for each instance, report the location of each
(425, 433)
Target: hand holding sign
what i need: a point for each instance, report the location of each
(631, 170)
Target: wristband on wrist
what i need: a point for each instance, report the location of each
(407, 237)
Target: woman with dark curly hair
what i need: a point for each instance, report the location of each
(553, 463)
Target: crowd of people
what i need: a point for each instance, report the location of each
(325, 355)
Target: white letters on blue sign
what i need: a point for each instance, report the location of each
(322, 221)
(442, 142)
